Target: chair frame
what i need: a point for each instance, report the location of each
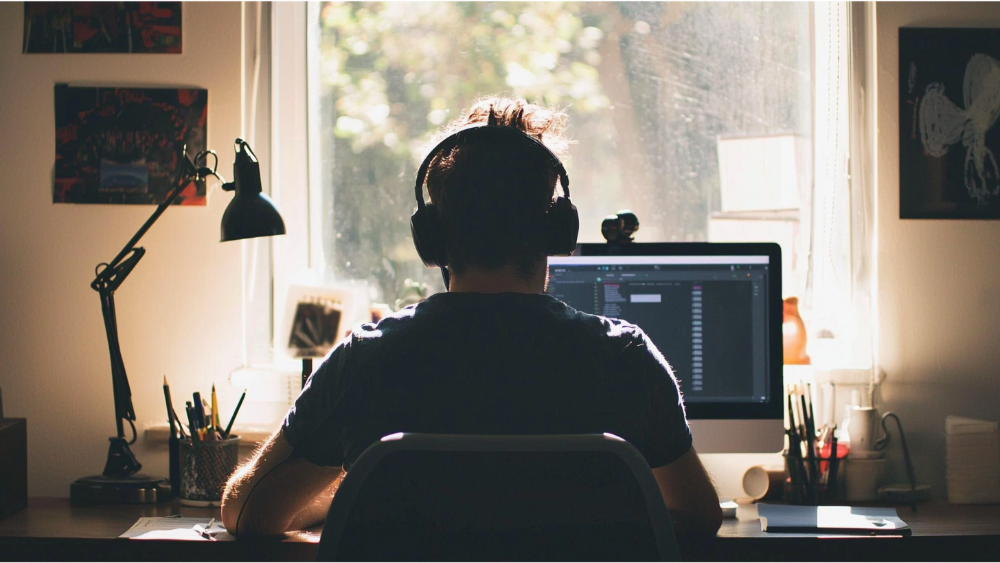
(350, 487)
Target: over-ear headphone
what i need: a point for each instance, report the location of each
(562, 222)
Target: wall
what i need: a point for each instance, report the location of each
(939, 284)
(179, 312)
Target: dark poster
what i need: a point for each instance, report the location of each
(102, 27)
(120, 145)
(949, 142)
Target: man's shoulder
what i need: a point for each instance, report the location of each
(522, 312)
(606, 327)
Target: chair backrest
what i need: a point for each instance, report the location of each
(515, 498)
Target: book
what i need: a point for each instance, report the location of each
(874, 521)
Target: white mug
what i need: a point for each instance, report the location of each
(864, 477)
(863, 431)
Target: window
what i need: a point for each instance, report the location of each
(713, 121)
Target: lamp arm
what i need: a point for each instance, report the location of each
(121, 462)
(185, 173)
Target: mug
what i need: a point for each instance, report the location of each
(863, 478)
(764, 482)
(863, 430)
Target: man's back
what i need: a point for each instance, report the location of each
(494, 355)
(507, 363)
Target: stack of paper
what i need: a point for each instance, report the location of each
(972, 460)
(831, 520)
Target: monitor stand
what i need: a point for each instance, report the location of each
(741, 436)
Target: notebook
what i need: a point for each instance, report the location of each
(879, 521)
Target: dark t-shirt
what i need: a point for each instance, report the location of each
(470, 363)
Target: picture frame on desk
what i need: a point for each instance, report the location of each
(316, 318)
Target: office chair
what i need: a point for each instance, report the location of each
(513, 498)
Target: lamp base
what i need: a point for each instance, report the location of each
(136, 489)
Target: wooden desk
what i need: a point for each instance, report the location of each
(52, 529)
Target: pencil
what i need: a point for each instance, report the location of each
(215, 411)
(229, 427)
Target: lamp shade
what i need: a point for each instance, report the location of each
(251, 213)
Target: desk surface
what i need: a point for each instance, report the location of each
(52, 529)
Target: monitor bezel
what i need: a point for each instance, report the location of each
(773, 408)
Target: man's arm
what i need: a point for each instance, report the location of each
(274, 492)
(689, 495)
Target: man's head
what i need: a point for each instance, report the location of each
(492, 194)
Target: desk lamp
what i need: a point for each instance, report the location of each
(250, 214)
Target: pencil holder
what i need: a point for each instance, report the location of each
(205, 468)
(811, 484)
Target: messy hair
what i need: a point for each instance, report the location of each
(492, 194)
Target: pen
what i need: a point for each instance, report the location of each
(199, 409)
(173, 444)
(204, 531)
(207, 429)
(192, 422)
(229, 427)
(810, 441)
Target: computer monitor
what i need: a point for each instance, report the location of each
(714, 311)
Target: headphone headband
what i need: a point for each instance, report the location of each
(476, 132)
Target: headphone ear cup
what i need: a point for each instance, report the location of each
(562, 225)
(428, 236)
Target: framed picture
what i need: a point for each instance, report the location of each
(949, 141)
(316, 318)
(102, 27)
(121, 145)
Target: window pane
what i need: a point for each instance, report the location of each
(671, 106)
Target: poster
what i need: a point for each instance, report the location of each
(121, 145)
(102, 27)
(949, 141)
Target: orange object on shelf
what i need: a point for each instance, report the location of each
(793, 332)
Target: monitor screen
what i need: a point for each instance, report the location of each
(713, 310)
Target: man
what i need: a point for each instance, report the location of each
(493, 355)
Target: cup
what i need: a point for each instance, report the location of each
(205, 467)
(864, 477)
(764, 482)
(863, 431)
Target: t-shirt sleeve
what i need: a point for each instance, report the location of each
(313, 425)
(668, 435)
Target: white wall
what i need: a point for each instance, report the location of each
(939, 283)
(178, 312)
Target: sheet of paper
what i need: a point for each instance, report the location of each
(174, 528)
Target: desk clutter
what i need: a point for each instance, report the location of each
(204, 456)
